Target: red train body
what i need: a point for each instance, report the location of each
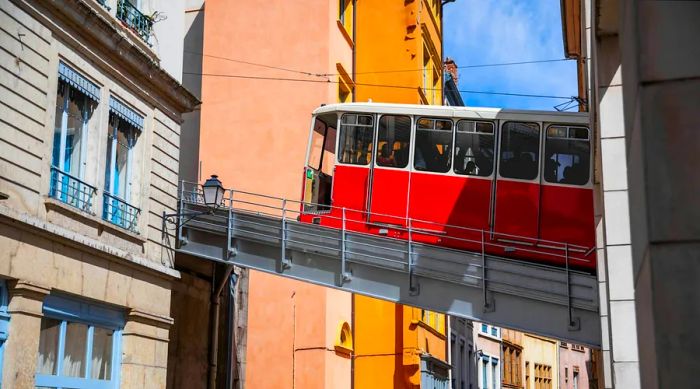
(516, 184)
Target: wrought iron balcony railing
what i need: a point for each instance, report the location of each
(71, 190)
(121, 213)
(141, 24)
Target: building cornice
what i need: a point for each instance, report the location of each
(80, 241)
(101, 39)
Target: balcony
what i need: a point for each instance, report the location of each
(131, 17)
(120, 213)
(71, 190)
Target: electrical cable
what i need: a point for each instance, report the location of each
(240, 76)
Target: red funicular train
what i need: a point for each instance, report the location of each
(516, 184)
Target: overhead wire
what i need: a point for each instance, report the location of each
(328, 81)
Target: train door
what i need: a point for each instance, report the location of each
(430, 203)
(355, 149)
(390, 172)
(318, 173)
(516, 211)
(566, 207)
(472, 184)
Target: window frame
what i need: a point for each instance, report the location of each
(4, 322)
(540, 150)
(339, 130)
(545, 136)
(71, 310)
(414, 140)
(495, 150)
(411, 134)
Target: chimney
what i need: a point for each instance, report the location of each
(451, 67)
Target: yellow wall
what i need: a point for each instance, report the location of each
(539, 350)
(390, 36)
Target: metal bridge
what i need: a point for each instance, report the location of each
(263, 233)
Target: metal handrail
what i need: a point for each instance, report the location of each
(135, 19)
(117, 211)
(229, 202)
(71, 190)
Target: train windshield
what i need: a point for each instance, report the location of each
(567, 155)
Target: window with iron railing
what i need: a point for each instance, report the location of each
(125, 126)
(104, 4)
(133, 18)
(76, 100)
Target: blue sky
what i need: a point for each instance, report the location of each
(495, 31)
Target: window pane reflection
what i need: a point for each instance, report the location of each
(75, 349)
(48, 346)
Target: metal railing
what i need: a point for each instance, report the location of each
(141, 24)
(121, 213)
(71, 190)
(104, 4)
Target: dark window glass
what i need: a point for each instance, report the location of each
(393, 141)
(433, 145)
(567, 155)
(317, 140)
(356, 137)
(520, 150)
(474, 148)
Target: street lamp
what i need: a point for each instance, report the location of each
(213, 191)
(212, 195)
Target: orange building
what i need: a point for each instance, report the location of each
(254, 127)
(253, 133)
(398, 48)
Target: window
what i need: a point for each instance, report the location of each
(123, 131)
(485, 373)
(567, 155)
(494, 373)
(318, 178)
(79, 344)
(76, 100)
(543, 376)
(511, 365)
(474, 143)
(494, 331)
(393, 141)
(484, 328)
(527, 375)
(433, 145)
(356, 139)
(575, 378)
(520, 150)
(4, 322)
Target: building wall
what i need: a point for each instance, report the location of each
(254, 134)
(543, 351)
(488, 349)
(396, 43)
(51, 249)
(575, 360)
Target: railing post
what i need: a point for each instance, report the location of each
(284, 262)
(574, 323)
(413, 287)
(345, 276)
(488, 305)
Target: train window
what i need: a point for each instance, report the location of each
(567, 155)
(393, 141)
(317, 140)
(433, 145)
(520, 150)
(474, 143)
(356, 139)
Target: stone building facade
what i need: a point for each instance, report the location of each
(89, 148)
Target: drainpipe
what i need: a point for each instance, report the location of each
(231, 344)
(214, 319)
(354, 48)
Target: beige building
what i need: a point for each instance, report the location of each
(89, 147)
